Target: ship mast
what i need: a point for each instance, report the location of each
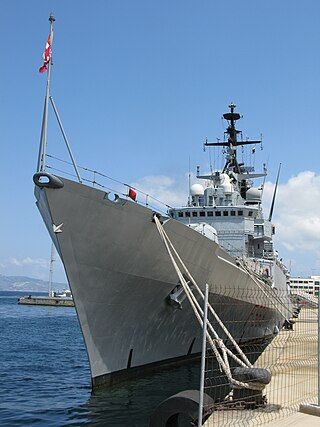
(232, 117)
(232, 143)
(51, 269)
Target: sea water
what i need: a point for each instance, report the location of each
(45, 375)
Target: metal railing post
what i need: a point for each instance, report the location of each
(314, 408)
(319, 349)
(203, 355)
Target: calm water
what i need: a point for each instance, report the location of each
(45, 376)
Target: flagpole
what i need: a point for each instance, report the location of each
(41, 139)
(43, 142)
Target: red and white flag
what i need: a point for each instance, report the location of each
(132, 194)
(46, 55)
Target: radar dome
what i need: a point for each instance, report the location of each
(197, 190)
(253, 195)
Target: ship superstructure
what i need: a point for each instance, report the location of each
(227, 207)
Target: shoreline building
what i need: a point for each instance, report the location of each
(309, 285)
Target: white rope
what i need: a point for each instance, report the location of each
(223, 361)
(213, 312)
(194, 304)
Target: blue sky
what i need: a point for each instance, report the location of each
(140, 84)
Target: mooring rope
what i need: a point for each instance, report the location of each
(226, 331)
(217, 341)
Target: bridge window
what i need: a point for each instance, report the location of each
(218, 213)
(202, 213)
(187, 214)
(240, 213)
(250, 213)
(225, 213)
(210, 213)
(180, 214)
(233, 213)
(194, 213)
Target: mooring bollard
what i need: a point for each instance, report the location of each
(258, 377)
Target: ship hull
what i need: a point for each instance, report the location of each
(120, 276)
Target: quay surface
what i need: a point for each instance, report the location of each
(47, 300)
(298, 419)
(292, 359)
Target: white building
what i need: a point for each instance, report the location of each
(307, 284)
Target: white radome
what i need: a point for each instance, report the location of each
(197, 190)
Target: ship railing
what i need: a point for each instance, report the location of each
(109, 184)
(232, 232)
(234, 252)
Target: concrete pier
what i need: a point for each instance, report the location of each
(50, 301)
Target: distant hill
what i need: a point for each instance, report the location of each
(28, 284)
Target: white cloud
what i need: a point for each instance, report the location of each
(37, 268)
(297, 220)
(297, 212)
(163, 188)
(39, 262)
(32, 267)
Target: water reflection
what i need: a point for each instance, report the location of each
(131, 403)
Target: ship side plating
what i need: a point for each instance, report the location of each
(121, 279)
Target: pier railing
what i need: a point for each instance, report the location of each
(289, 352)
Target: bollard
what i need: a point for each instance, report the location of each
(256, 376)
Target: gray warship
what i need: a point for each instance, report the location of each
(129, 300)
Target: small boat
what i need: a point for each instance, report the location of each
(65, 293)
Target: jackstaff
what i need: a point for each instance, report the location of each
(47, 61)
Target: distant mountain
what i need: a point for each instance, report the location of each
(28, 284)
